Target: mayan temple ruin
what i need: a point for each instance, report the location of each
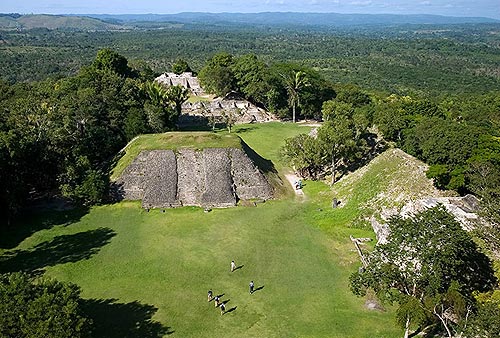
(198, 113)
(186, 80)
(212, 177)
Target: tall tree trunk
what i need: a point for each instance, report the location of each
(333, 169)
(293, 112)
(407, 327)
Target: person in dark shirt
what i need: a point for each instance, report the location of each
(251, 287)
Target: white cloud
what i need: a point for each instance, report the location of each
(426, 3)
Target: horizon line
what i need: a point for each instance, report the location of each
(249, 13)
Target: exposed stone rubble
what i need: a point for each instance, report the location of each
(186, 80)
(243, 110)
(199, 112)
(463, 208)
(213, 177)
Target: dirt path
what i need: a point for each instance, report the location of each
(292, 178)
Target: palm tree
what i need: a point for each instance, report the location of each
(295, 82)
(177, 95)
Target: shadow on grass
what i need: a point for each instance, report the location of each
(246, 128)
(266, 166)
(118, 320)
(239, 267)
(60, 250)
(258, 289)
(32, 221)
(231, 309)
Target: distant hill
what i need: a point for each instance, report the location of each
(104, 22)
(12, 21)
(293, 18)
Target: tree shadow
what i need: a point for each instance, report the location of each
(246, 128)
(31, 221)
(118, 320)
(116, 192)
(60, 250)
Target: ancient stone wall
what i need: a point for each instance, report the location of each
(218, 179)
(190, 176)
(213, 177)
(249, 182)
(160, 184)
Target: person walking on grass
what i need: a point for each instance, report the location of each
(222, 309)
(251, 286)
(217, 301)
(233, 266)
(210, 295)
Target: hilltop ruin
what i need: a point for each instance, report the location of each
(198, 113)
(212, 177)
(186, 80)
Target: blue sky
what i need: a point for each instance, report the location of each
(486, 8)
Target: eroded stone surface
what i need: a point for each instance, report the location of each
(213, 177)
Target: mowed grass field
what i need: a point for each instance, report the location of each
(146, 274)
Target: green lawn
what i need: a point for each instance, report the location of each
(146, 273)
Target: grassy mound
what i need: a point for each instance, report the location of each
(173, 141)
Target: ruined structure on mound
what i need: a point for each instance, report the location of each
(213, 177)
(186, 80)
(198, 113)
(243, 110)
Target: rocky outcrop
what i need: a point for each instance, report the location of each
(213, 177)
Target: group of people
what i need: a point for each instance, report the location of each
(217, 301)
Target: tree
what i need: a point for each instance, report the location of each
(229, 117)
(251, 78)
(353, 95)
(334, 109)
(32, 308)
(304, 155)
(159, 111)
(336, 139)
(180, 66)
(217, 77)
(177, 95)
(295, 82)
(430, 267)
(109, 60)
